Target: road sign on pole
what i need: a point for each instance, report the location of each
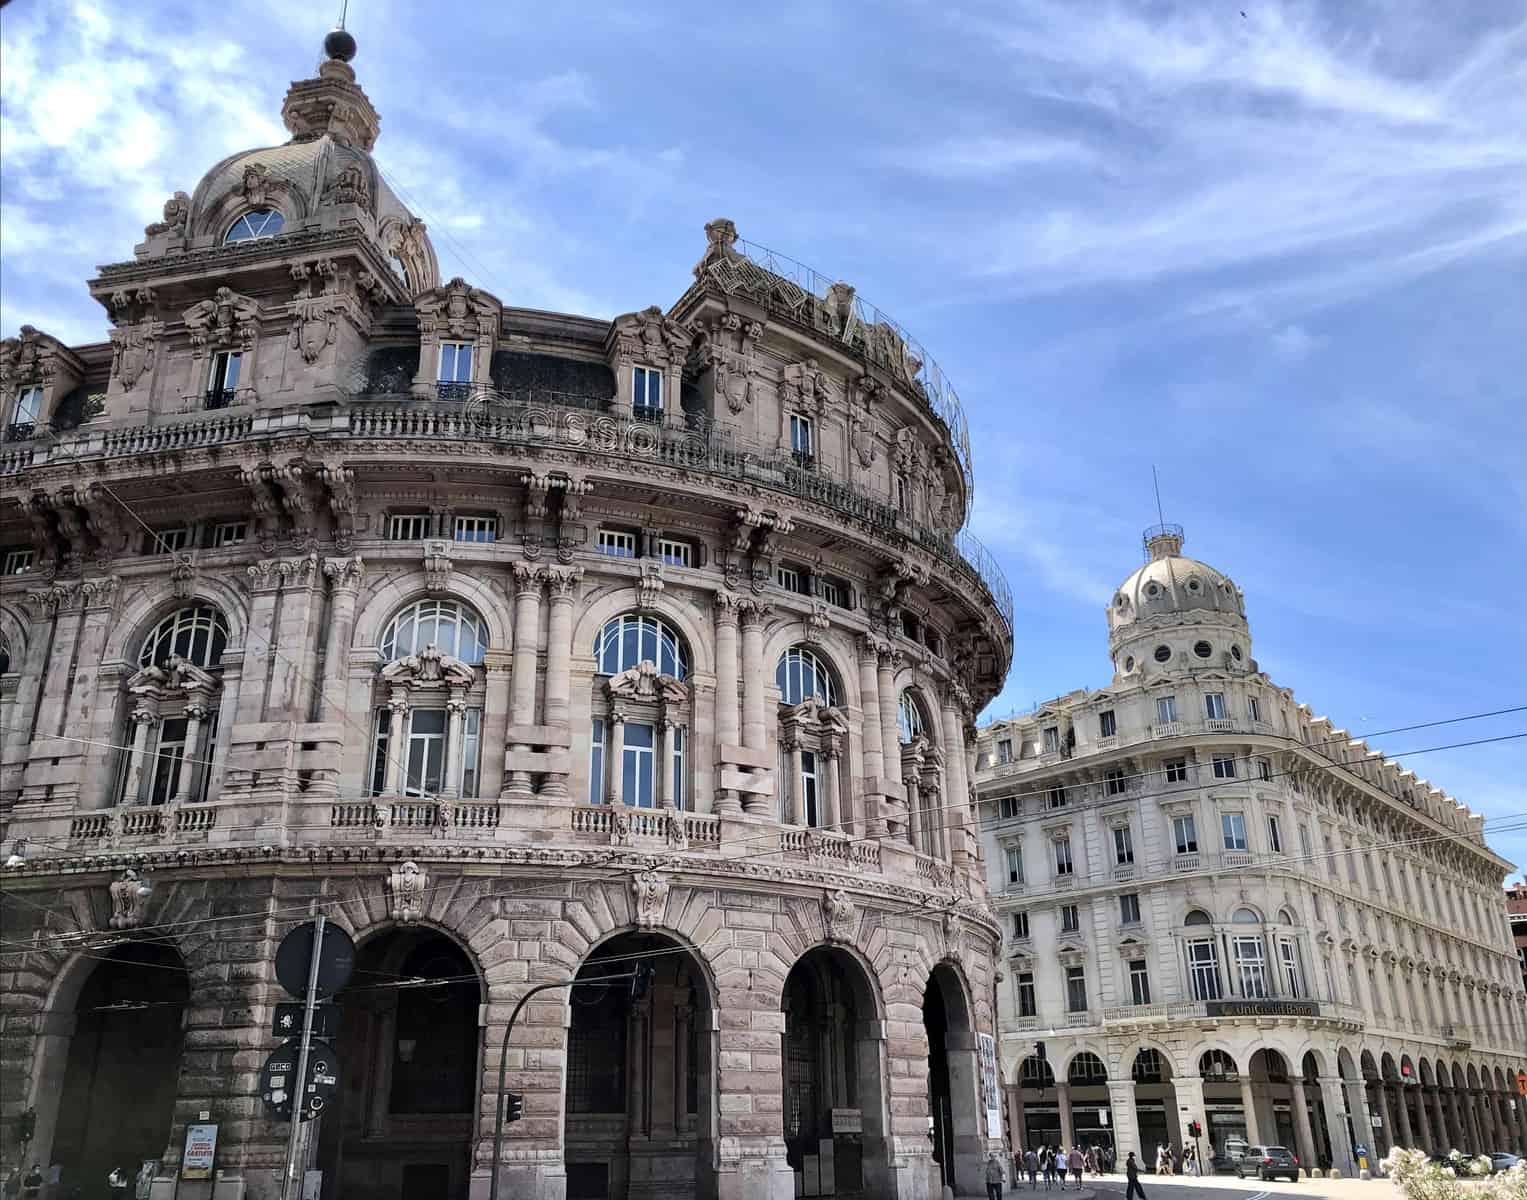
(287, 1023)
(278, 1080)
(329, 963)
(294, 958)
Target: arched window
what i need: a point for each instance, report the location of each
(259, 223)
(801, 675)
(1244, 916)
(5, 655)
(1203, 958)
(1216, 1064)
(909, 718)
(448, 625)
(197, 634)
(628, 640)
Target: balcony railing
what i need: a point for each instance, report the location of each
(21, 431)
(220, 397)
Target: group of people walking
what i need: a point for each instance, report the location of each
(1171, 1161)
(1053, 1163)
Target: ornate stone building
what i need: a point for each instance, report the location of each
(517, 644)
(1217, 907)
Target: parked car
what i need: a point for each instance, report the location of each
(1502, 1160)
(1268, 1162)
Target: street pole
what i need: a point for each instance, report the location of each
(503, 1062)
(299, 1100)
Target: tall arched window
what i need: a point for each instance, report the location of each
(810, 739)
(640, 731)
(909, 718)
(630, 640)
(260, 223)
(802, 676)
(1250, 954)
(448, 625)
(197, 634)
(1202, 957)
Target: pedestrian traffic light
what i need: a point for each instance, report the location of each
(514, 1106)
(1195, 1130)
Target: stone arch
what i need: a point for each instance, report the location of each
(832, 649)
(607, 600)
(1310, 1053)
(1086, 1050)
(212, 215)
(954, 1075)
(924, 698)
(13, 628)
(1208, 1055)
(1425, 1072)
(389, 596)
(1389, 1070)
(146, 608)
(1460, 1080)
(1368, 1065)
(1124, 1066)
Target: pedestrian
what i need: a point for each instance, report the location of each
(117, 1182)
(1031, 1166)
(1078, 1160)
(1190, 1158)
(1061, 1166)
(1132, 1173)
(994, 1178)
(1047, 1160)
(31, 1184)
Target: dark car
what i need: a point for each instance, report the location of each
(1268, 1162)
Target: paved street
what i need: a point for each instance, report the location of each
(1222, 1187)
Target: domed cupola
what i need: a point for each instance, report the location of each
(1177, 614)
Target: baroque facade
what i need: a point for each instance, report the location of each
(1217, 907)
(518, 645)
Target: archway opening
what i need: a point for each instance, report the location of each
(1225, 1118)
(1309, 1094)
(1091, 1117)
(835, 1123)
(640, 1098)
(1155, 1106)
(410, 1041)
(118, 1099)
(1272, 1101)
(959, 1125)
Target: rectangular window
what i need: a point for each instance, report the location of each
(1306, 850)
(596, 763)
(1139, 983)
(809, 786)
(800, 438)
(903, 494)
(1014, 865)
(1253, 709)
(1233, 827)
(1203, 969)
(223, 380)
(455, 367)
(28, 406)
(425, 766)
(1123, 846)
(1108, 726)
(408, 527)
(1293, 979)
(1176, 770)
(1166, 709)
(1214, 706)
(1264, 770)
(1129, 908)
(1070, 919)
(831, 593)
(1026, 1005)
(1052, 739)
(169, 541)
(1076, 989)
(1004, 752)
(1057, 797)
(1113, 781)
(788, 578)
(680, 774)
(1007, 807)
(636, 766)
(475, 529)
(1251, 966)
(1021, 927)
(1224, 766)
(379, 756)
(646, 390)
(19, 562)
(675, 553)
(169, 759)
(1063, 856)
(1274, 835)
(1185, 831)
(230, 533)
(617, 543)
(471, 747)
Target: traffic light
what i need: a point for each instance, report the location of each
(640, 978)
(514, 1106)
(1195, 1130)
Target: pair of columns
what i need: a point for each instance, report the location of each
(144, 718)
(751, 733)
(397, 751)
(612, 784)
(529, 581)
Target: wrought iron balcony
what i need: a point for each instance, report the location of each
(650, 413)
(449, 390)
(220, 397)
(21, 431)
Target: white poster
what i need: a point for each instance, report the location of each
(991, 1094)
(200, 1152)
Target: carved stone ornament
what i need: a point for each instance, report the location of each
(406, 884)
(177, 209)
(862, 438)
(649, 896)
(649, 588)
(224, 319)
(649, 337)
(428, 668)
(133, 348)
(838, 913)
(129, 901)
(458, 310)
(437, 565)
(315, 325)
(349, 187)
(954, 937)
(645, 682)
(804, 386)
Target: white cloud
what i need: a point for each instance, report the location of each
(1294, 342)
(992, 155)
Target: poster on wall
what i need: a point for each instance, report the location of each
(201, 1151)
(991, 1095)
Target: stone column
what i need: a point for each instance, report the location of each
(1067, 1124)
(957, 792)
(793, 787)
(915, 814)
(1447, 1130)
(143, 719)
(1428, 1141)
(1126, 1130)
(1386, 1111)
(528, 579)
(833, 815)
(564, 583)
(344, 575)
(870, 735)
(1304, 1136)
(727, 731)
(683, 1014)
(195, 715)
(1189, 1093)
(1249, 1105)
(1455, 1128)
(1333, 1097)
(890, 736)
(456, 709)
(1521, 1123)
(1403, 1130)
(754, 730)
(397, 752)
(615, 753)
(665, 767)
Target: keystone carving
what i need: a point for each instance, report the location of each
(649, 896)
(804, 385)
(133, 348)
(129, 900)
(645, 682)
(437, 565)
(406, 883)
(649, 587)
(428, 668)
(838, 913)
(221, 321)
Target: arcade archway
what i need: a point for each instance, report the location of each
(405, 1119)
(959, 1125)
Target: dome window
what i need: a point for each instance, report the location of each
(252, 226)
(1202, 649)
(1163, 654)
(1129, 664)
(1121, 601)
(1235, 653)
(1194, 586)
(1153, 589)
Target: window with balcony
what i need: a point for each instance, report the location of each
(1203, 960)
(802, 444)
(1139, 982)
(647, 393)
(643, 758)
(1014, 858)
(1114, 781)
(1166, 710)
(675, 553)
(408, 527)
(1185, 834)
(25, 415)
(1070, 918)
(223, 379)
(1129, 908)
(1251, 966)
(903, 493)
(1274, 835)
(1007, 807)
(19, 562)
(1123, 846)
(1108, 726)
(1264, 769)
(1224, 766)
(832, 592)
(616, 543)
(1253, 709)
(788, 579)
(453, 381)
(1176, 770)
(1057, 797)
(1063, 865)
(1076, 989)
(475, 529)
(1004, 752)
(1051, 739)
(1021, 927)
(1233, 829)
(230, 533)
(1027, 1007)
(168, 541)
(1214, 706)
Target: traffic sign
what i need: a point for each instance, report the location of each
(336, 959)
(288, 1020)
(280, 1073)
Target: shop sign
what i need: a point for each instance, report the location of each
(1262, 1008)
(847, 1120)
(990, 1093)
(200, 1152)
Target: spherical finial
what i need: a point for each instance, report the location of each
(339, 45)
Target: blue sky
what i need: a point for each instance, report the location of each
(1279, 255)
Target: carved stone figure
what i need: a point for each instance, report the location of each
(428, 668)
(177, 209)
(645, 682)
(221, 320)
(406, 883)
(349, 187)
(838, 914)
(649, 896)
(129, 899)
(132, 351)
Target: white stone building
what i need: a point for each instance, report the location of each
(1220, 908)
(513, 643)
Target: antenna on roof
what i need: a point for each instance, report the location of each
(344, 8)
(1155, 482)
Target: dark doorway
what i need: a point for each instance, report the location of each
(118, 1098)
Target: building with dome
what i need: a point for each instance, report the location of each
(521, 646)
(1219, 908)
